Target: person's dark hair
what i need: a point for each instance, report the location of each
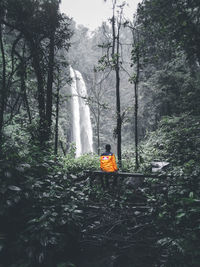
(108, 147)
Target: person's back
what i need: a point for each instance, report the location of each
(107, 161)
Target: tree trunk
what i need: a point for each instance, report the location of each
(50, 85)
(57, 119)
(136, 100)
(136, 126)
(23, 89)
(98, 128)
(118, 105)
(41, 97)
(115, 59)
(119, 124)
(2, 87)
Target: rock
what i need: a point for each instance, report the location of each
(133, 181)
(159, 165)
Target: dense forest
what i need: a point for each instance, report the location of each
(143, 92)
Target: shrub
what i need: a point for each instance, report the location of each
(175, 205)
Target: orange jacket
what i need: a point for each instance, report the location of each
(108, 162)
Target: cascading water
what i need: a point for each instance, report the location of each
(76, 136)
(82, 128)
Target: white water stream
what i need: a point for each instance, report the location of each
(82, 133)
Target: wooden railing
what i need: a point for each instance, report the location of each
(106, 177)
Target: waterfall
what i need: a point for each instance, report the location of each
(82, 133)
(76, 132)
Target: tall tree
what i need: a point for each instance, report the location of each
(3, 83)
(170, 32)
(44, 30)
(178, 20)
(135, 79)
(113, 60)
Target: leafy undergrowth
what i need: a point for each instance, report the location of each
(175, 199)
(39, 214)
(50, 216)
(117, 229)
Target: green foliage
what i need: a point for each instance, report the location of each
(40, 212)
(31, 30)
(84, 162)
(175, 199)
(16, 139)
(44, 211)
(169, 54)
(128, 160)
(176, 141)
(175, 21)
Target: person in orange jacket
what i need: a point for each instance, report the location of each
(108, 161)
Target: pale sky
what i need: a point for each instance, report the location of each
(91, 13)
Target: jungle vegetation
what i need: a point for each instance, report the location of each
(143, 78)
